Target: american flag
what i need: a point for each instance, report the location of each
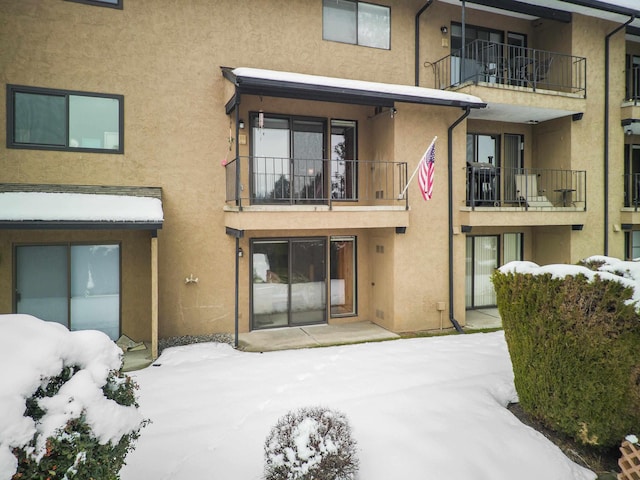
(426, 171)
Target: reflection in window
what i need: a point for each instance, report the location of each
(40, 118)
(355, 22)
(343, 160)
(75, 285)
(343, 276)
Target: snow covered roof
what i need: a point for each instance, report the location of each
(255, 81)
(74, 206)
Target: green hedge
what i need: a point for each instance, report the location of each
(74, 452)
(575, 349)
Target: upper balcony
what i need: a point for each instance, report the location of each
(274, 193)
(632, 85)
(500, 65)
(500, 196)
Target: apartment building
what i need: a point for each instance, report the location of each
(176, 168)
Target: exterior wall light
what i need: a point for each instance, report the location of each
(444, 29)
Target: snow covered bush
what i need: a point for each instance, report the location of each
(311, 444)
(67, 409)
(573, 335)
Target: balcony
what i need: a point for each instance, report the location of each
(272, 193)
(632, 191)
(507, 66)
(632, 85)
(525, 189)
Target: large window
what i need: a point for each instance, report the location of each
(75, 285)
(64, 120)
(355, 22)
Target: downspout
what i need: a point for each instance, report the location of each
(450, 180)
(606, 132)
(239, 203)
(417, 45)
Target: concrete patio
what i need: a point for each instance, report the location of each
(319, 335)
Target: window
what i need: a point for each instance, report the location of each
(287, 159)
(355, 22)
(481, 261)
(101, 3)
(343, 160)
(342, 269)
(75, 285)
(288, 282)
(632, 245)
(39, 118)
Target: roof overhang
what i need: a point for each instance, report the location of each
(560, 10)
(271, 83)
(80, 207)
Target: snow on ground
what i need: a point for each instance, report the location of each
(419, 408)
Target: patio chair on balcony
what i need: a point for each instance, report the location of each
(542, 69)
(527, 191)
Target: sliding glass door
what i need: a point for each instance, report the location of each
(77, 286)
(287, 159)
(288, 282)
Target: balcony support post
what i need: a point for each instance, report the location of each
(238, 182)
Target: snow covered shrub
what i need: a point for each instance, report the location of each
(311, 444)
(574, 340)
(67, 409)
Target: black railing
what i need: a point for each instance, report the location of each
(504, 65)
(632, 190)
(287, 181)
(488, 186)
(632, 84)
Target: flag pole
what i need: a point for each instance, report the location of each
(416, 170)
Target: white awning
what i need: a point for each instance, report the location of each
(20, 209)
(255, 81)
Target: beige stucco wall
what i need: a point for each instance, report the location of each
(165, 58)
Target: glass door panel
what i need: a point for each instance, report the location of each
(513, 162)
(308, 281)
(481, 261)
(271, 158)
(289, 282)
(95, 288)
(342, 269)
(41, 282)
(308, 164)
(485, 262)
(270, 284)
(343, 160)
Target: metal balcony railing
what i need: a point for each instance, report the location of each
(504, 65)
(632, 84)
(296, 181)
(632, 190)
(488, 186)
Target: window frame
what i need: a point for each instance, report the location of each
(12, 90)
(354, 240)
(357, 42)
(100, 3)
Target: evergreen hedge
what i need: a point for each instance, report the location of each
(74, 452)
(574, 344)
